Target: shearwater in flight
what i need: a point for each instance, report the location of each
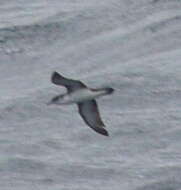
(84, 97)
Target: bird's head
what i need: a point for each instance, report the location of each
(57, 100)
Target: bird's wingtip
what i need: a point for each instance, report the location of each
(106, 134)
(56, 77)
(102, 131)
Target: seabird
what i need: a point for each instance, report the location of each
(84, 97)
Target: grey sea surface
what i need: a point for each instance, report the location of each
(132, 46)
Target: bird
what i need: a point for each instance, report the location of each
(84, 97)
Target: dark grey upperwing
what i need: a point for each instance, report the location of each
(70, 84)
(90, 113)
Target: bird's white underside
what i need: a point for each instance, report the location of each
(80, 96)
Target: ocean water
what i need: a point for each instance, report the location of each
(132, 46)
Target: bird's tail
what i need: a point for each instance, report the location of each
(109, 90)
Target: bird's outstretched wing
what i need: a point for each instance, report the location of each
(70, 84)
(90, 113)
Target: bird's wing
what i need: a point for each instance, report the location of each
(70, 84)
(90, 113)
